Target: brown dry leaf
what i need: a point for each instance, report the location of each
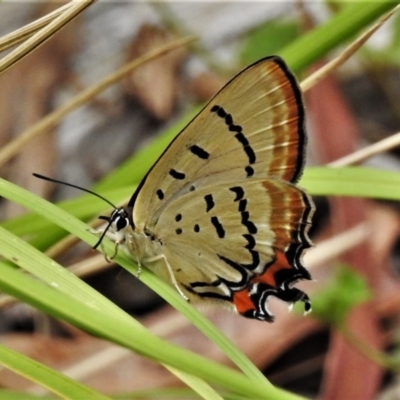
(29, 87)
(155, 84)
(205, 85)
(385, 223)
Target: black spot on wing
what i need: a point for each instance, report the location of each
(240, 136)
(219, 110)
(249, 171)
(209, 202)
(238, 267)
(178, 217)
(242, 205)
(235, 128)
(251, 242)
(246, 147)
(218, 227)
(228, 119)
(216, 283)
(242, 139)
(199, 152)
(177, 175)
(196, 228)
(238, 190)
(255, 262)
(247, 223)
(178, 231)
(250, 154)
(160, 194)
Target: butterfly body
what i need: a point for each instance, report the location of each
(219, 215)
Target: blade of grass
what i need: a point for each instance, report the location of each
(52, 380)
(198, 385)
(94, 316)
(6, 394)
(354, 16)
(352, 181)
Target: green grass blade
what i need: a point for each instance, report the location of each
(52, 380)
(88, 315)
(354, 16)
(352, 181)
(198, 385)
(6, 394)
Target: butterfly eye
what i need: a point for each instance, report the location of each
(122, 223)
(119, 220)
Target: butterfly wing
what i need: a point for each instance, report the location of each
(239, 243)
(220, 202)
(253, 128)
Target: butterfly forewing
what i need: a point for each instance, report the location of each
(253, 128)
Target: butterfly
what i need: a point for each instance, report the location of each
(219, 215)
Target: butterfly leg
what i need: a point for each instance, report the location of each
(139, 268)
(171, 273)
(99, 232)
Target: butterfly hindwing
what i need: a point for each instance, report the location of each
(253, 128)
(238, 242)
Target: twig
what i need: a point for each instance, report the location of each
(367, 152)
(28, 30)
(52, 119)
(345, 54)
(77, 6)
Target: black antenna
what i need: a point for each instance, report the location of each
(103, 234)
(46, 178)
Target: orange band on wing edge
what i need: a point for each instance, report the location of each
(268, 276)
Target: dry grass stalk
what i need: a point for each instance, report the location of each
(43, 34)
(367, 152)
(349, 51)
(52, 119)
(28, 30)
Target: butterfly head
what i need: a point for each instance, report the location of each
(118, 220)
(117, 223)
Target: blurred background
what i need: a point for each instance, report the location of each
(357, 105)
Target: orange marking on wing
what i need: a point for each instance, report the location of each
(287, 156)
(289, 206)
(268, 276)
(243, 302)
